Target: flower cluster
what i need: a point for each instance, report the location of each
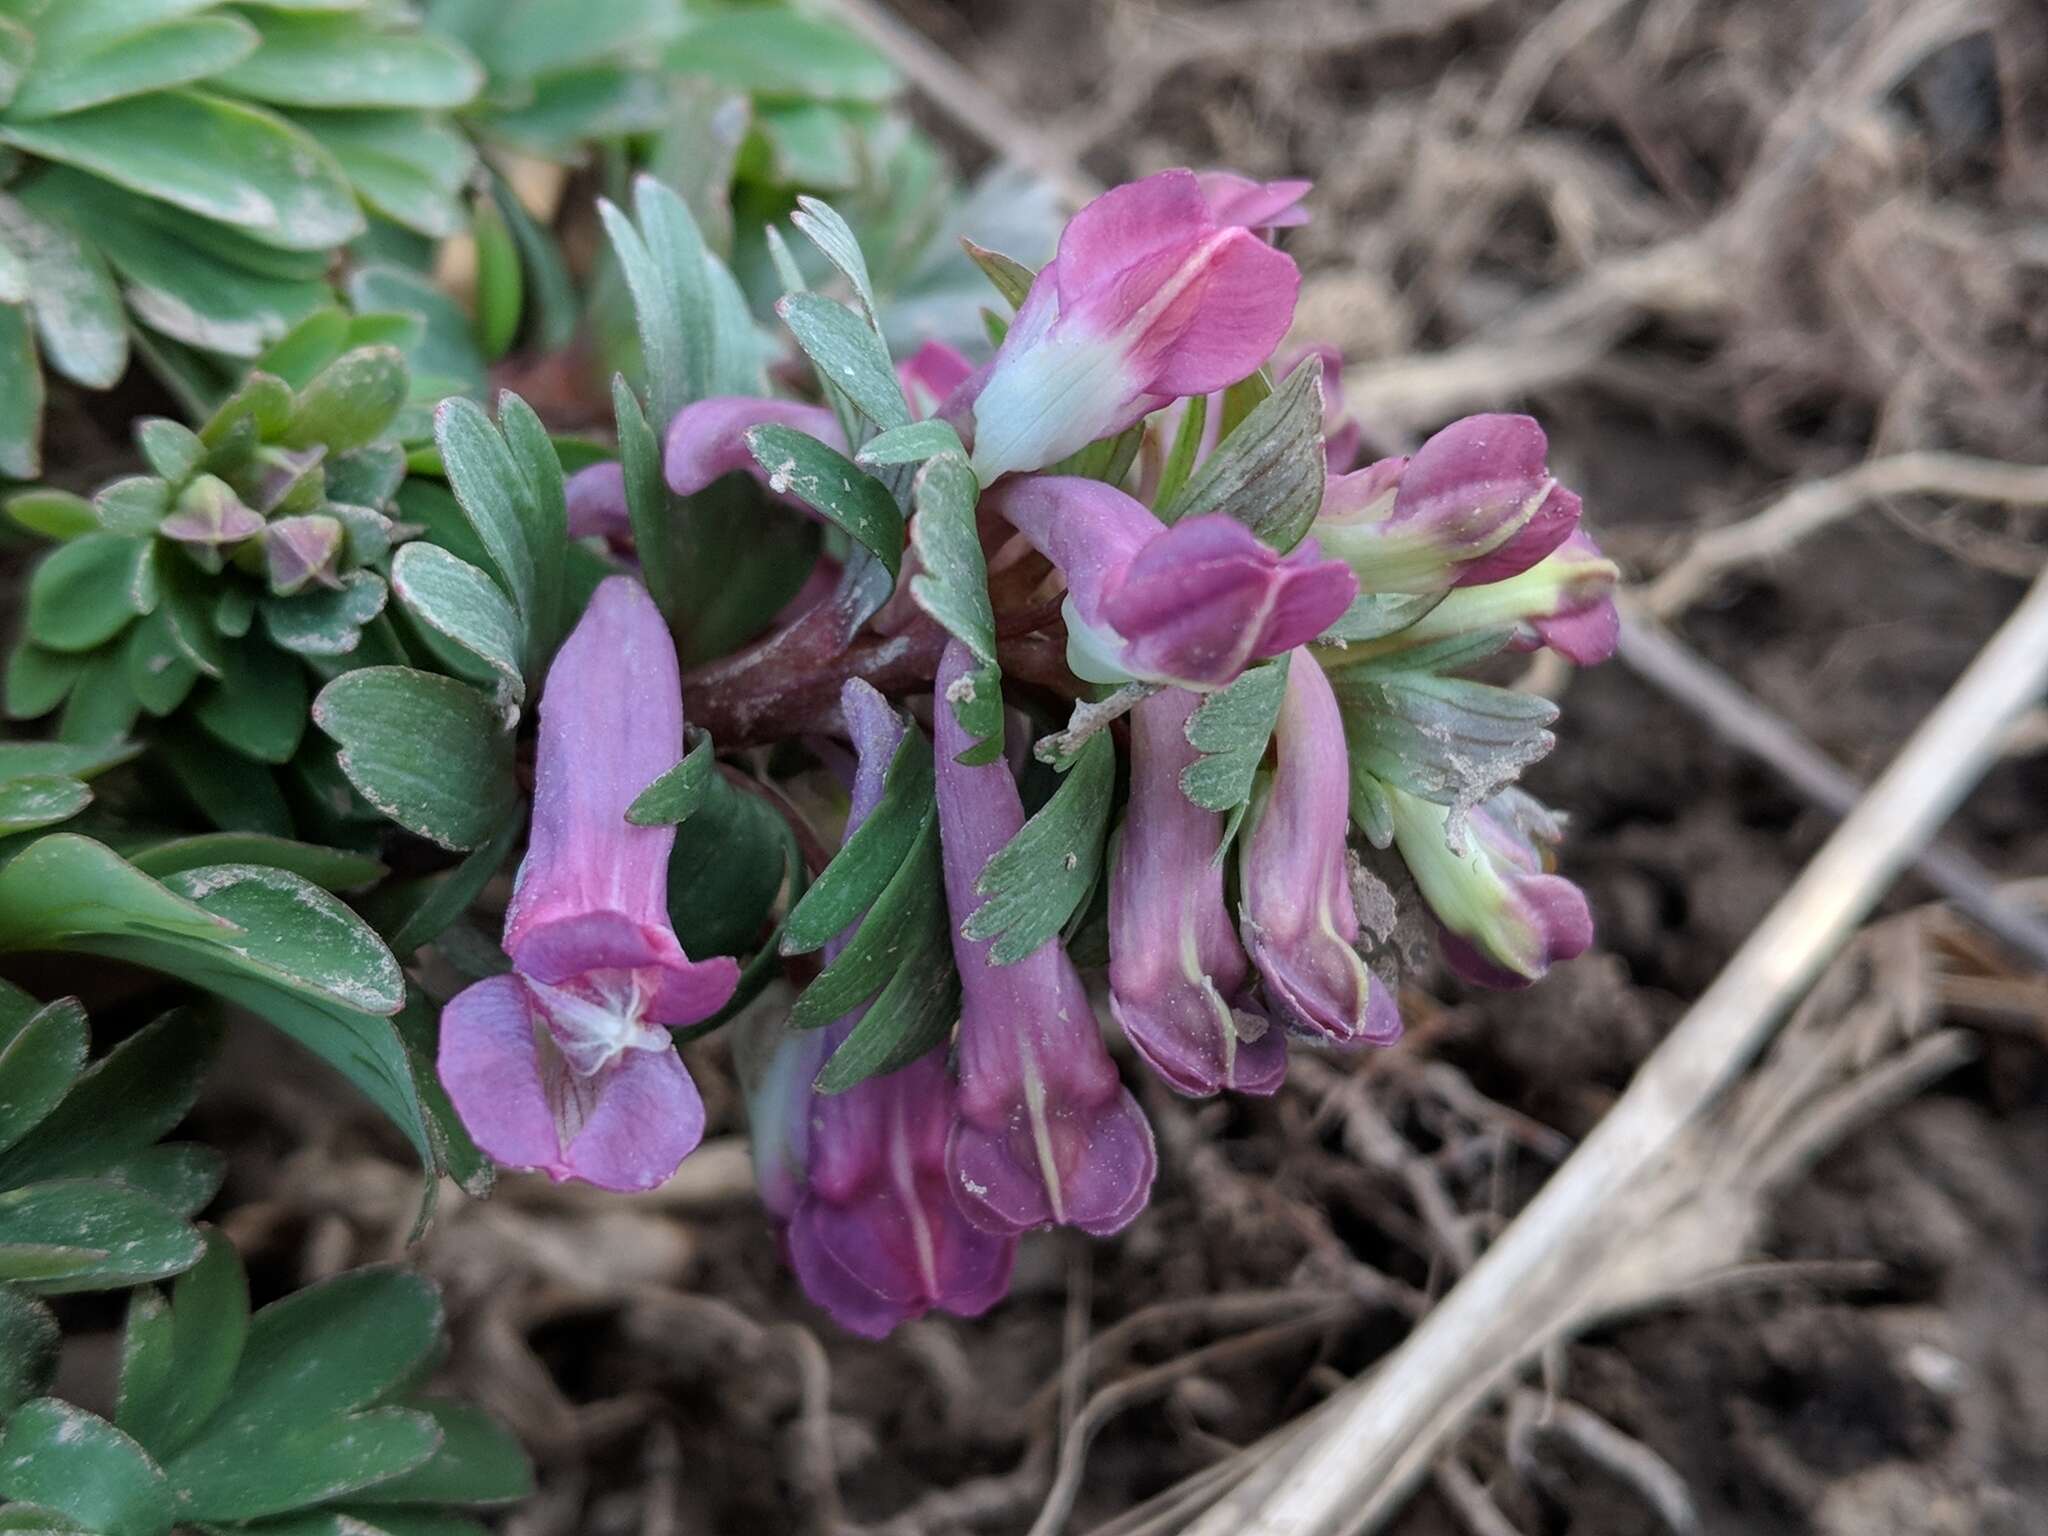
(1282, 637)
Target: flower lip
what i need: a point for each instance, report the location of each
(1234, 198)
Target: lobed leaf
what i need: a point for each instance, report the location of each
(1038, 879)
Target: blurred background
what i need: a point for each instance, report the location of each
(1728, 252)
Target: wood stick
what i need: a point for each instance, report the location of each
(1383, 1434)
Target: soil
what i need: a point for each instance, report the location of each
(1474, 159)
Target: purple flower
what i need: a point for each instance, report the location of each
(708, 439)
(1475, 505)
(1194, 604)
(1298, 919)
(931, 375)
(1564, 601)
(1150, 297)
(208, 518)
(1505, 918)
(302, 551)
(565, 1065)
(1176, 970)
(597, 504)
(1045, 1131)
(1257, 205)
(858, 1179)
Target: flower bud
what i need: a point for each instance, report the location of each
(1505, 918)
(1045, 1131)
(1476, 504)
(1150, 297)
(1176, 970)
(1298, 919)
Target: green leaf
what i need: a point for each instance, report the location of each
(409, 166)
(847, 496)
(459, 602)
(330, 1349)
(912, 443)
(29, 1341)
(341, 61)
(38, 1066)
(114, 1237)
(217, 158)
(84, 593)
(65, 1459)
(331, 869)
(181, 1176)
(40, 800)
(662, 257)
(38, 680)
(823, 226)
(427, 751)
(134, 504)
(727, 867)
(490, 486)
(848, 355)
(29, 759)
(52, 513)
(259, 1470)
(259, 705)
(294, 934)
(500, 279)
(21, 396)
(209, 1327)
(1180, 458)
(1447, 739)
(1268, 473)
(543, 509)
(1038, 879)
(415, 913)
(325, 621)
(870, 857)
(1012, 279)
(899, 925)
(149, 1360)
(307, 347)
(779, 54)
(121, 1104)
(229, 791)
(195, 281)
(181, 52)
(1376, 615)
(953, 589)
(478, 1463)
(78, 312)
(914, 1012)
(158, 672)
(678, 792)
(350, 402)
(102, 707)
(1230, 729)
(173, 449)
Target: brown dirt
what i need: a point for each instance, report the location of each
(1885, 293)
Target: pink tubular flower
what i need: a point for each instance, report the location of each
(597, 503)
(1298, 919)
(1257, 205)
(1176, 970)
(1476, 504)
(930, 375)
(870, 1223)
(565, 1065)
(1565, 601)
(1150, 297)
(1505, 918)
(1045, 1131)
(1194, 604)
